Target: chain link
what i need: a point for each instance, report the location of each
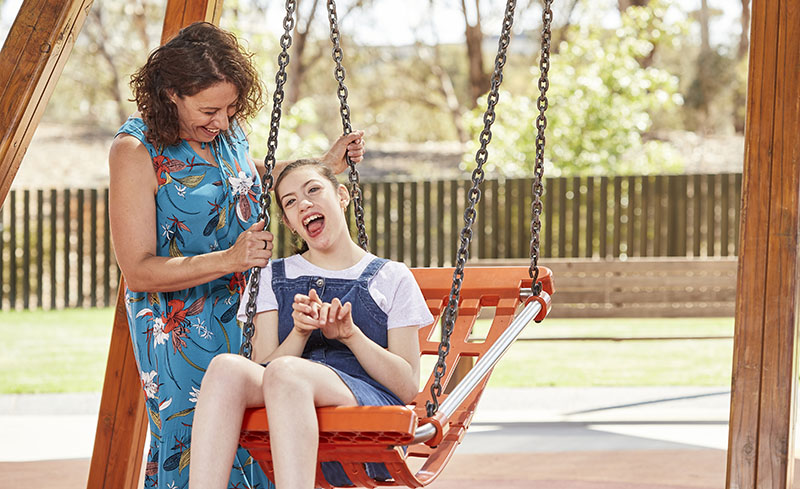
(248, 329)
(541, 125)
(344, 111)
(470, 214)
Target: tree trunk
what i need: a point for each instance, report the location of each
(624, 4)
(448, 92)
(560, 34)
(705, 37)
(100, 39)
(478, 77)
(299, 64)
(744, 38)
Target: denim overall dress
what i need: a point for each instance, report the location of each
(366, 315)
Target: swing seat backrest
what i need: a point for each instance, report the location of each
(356, 435)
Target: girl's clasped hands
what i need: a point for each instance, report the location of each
(333, 318)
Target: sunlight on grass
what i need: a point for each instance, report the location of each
(54, 351)
(66, 351)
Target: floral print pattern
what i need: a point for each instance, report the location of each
(200, 207)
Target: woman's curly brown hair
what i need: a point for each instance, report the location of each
(201, 55)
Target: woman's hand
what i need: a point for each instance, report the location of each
(351, 145)
(253, 248)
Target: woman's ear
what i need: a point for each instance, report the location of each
(344, 196)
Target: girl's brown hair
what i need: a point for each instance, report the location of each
(201, 55)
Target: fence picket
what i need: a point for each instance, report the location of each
(68, 237)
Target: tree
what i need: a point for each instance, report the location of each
(601, 105)
(744, 37)
(478, 77)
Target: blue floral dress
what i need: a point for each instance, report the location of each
(200, 207)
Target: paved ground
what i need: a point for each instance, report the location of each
(587, 438)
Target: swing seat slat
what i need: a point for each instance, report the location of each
(354, 436)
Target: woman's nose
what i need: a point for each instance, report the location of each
(222, 121)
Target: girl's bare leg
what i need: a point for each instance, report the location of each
(231, 384)
(293, 387)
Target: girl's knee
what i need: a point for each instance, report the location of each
(223, 367)
(283, 373)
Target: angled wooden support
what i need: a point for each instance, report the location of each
(761, 436)
(122, 422)
(182, 13)
(32, 59)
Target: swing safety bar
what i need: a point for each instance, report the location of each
(533, 310)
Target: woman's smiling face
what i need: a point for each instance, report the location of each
(207, 113)
(312, 206)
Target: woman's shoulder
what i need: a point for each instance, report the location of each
(134, 126)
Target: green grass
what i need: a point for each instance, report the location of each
(618, 363)
(66, 351)
(54, 351)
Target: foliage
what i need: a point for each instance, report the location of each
(602, 104)
(93, 89)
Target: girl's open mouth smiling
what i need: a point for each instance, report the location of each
(314, 224)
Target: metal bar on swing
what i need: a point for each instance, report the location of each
(486, 363)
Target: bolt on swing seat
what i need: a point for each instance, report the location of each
(415, 442)
(357, 435)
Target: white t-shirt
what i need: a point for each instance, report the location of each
(393, 289)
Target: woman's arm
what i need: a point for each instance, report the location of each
(132, 210)
(351, 145)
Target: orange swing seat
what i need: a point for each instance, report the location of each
(354, 436)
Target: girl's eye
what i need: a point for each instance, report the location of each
(288, 203)
(313, 189)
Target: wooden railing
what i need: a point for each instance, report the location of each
(56, 250)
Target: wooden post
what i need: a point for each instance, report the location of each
(761, 436)
(122, 422)
(33, 56)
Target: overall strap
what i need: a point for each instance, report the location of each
(278, 269)
(372, 268)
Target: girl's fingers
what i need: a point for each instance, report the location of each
(324, 313)
(344, 311)
(336, 306)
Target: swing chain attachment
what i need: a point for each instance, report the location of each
(470, 214)
(541, 125)
(344, 111)
(248, 329)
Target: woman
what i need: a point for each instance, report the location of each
(184, 197)
(335, 326)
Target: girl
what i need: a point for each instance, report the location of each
(335, 326)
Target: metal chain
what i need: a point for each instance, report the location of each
(470, 213)
(344, 111)
(541, 124)
(248, 329)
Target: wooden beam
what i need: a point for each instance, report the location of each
(31, 61)
(122, 422)
(761, 432)
(182, 13)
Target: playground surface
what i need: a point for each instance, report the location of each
(527, 438)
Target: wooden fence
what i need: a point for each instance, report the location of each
(56, 250)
